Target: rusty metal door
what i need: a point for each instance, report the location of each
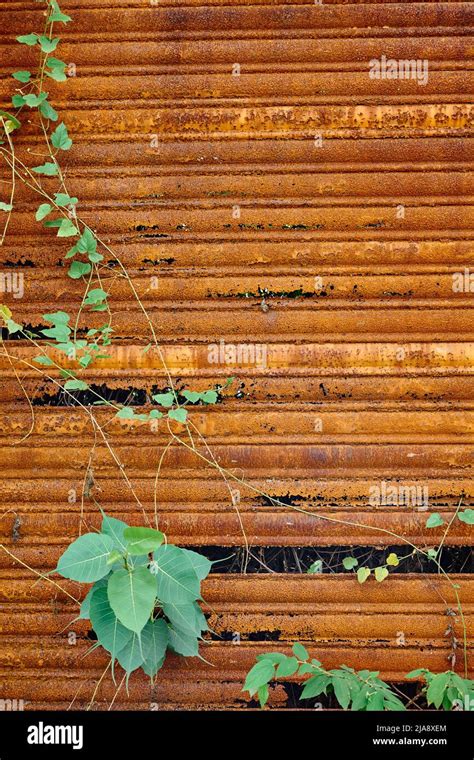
(294, 221)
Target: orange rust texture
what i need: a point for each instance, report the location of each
(367, 377)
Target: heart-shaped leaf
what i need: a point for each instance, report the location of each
(111, 634)
(175, 576)
(132, 595)
(154, 644)
(142, 540)
(85, 560)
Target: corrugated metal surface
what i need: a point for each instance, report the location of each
(167, 142)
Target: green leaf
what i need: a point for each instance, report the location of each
(47, 45)
(131, 656)
(183, 644)
(55, 63)
(209, 397)
(164, 399)
(143, 540)
(87, 243)
(261, 673)
(175, 576)
(467, 516)
(436, 689)
(359, 700)
(300, 652)
(350, 563)
(5, 312)
(5, 206)
(28, 39)
(33, 101)
(63, 199)
(380, 574)
(52, 223)
(57, 317)
(22, 76)
(57, 75)
(434, 520)
(13, 327)
(178, 414)
(47, 110)
(341, 690)
(263, 694)
(132, 595)
(316, 567)
(115, 529)
(60, 137)
(274, 657)
(192, 396)
(315, 685)
(362, 574)
(9, 120)
(95, 296)
(57, 15)
(391, 702)
(45, 360)
(375, 702)
(202, 566)
(95, 257)
(85, 606)
(78, 269)
(392, 560)
(60, 17)
(287, 667)
(67, 228)
(111, 634)
(154, 643)
(75, 385)
(184, 618)
(43, 211)
(18, 101)
(126, 413)
(49, 169)
(85, 560)
(114, 557)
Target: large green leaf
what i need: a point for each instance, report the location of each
(315, 685)
(261, 673)
(154, 643)
(436, 689)
(85, 606)
(111, 634)
(131, 656)
(115, 529)
(143, 540)
(85, 560)
(176, 579)
(132, 595)
(187, 617)
(341, 690)
(180, 643)
(202, 566)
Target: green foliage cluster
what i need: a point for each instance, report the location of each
(145, 593)
(360, 690)
(448, 690)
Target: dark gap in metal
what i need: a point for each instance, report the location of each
(299, 559)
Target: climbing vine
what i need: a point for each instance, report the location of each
(361, 690)
(135, 567)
